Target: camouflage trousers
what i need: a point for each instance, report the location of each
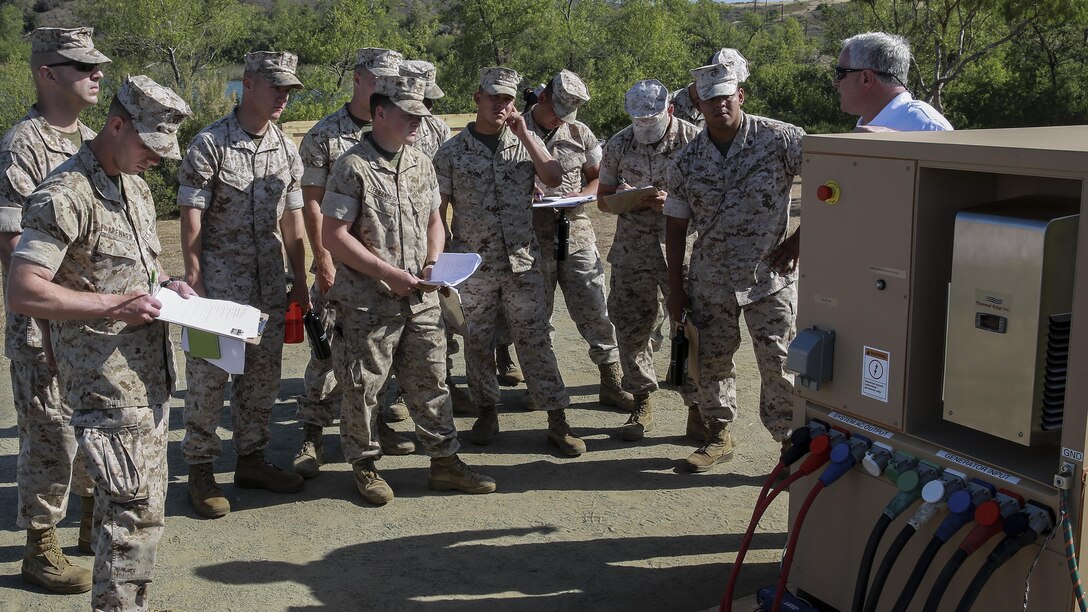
(635, 307)
(581, 277)
(521, 299)
(125, 450)
(368, 348)
(772, 325)
(320, 404)
(50, 462)
(252, 396)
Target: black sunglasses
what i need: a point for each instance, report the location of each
(840, 72)
(79, 66)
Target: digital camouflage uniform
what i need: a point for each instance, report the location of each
(581, 274)
(739, 205)
(638, 251)
(491, 195)
(47, 443)
(322, 146)
(117, 377)
(243, 190)
(684, 107)
(376, 332)
(433, 131)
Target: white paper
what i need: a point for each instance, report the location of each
(232, 353)
(564, 202)
(216, 316)
(451, 269)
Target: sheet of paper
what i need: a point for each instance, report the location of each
(232, 353)
(564, 202)
(216, 316)
(451, 269)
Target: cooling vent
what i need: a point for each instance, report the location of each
(1057, 358)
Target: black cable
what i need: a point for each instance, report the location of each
(979, 581)
(920, 569)
(940, 585)
(867, 561)
(886, 566)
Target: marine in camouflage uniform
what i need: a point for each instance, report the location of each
(581, 275)
(685, 100)
(236, 190)
(383, 223)
(638, 156)
(49, 460)
(733, 184)
(487, 173)
(92, 231)
(433, 131)
(319, 405)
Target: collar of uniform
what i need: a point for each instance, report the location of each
(670, 136)
(378, 161)
(240, 139)
(540, 131)
(99, 179)
(52, 137)
(740, 140)
(507, 139)
(347, 125)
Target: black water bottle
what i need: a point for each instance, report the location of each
(562, 234)
(315, 331)
(678, 362)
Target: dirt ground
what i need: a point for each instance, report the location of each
(623, 527)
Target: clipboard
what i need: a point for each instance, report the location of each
(628, 199)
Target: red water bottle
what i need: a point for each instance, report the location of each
(292, 329)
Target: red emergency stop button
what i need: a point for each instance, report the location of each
(828, 192)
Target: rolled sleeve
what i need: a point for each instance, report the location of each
(193, 197)
(594, 155)
(41, 249)
(442, 171)
(339, 206)
(294, 200)
(11, 218)
(675, 207)
(314, 177)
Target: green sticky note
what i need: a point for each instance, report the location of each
(203, 344)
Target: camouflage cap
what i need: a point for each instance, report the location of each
(715, 80)
(497, 80)
(426, 71)
(156, 112)
(647, 98)
(568, 93)
(731, 57)
(380, 62)
(55, 45)
(276, 66)
(404, 91)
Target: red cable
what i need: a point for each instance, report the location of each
(787, 560)
(761, 506)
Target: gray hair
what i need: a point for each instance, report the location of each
(880, 52)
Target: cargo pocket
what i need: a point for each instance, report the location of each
(115, 458)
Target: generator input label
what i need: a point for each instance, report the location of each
(862, 425)
(978, 467)
(874, 373)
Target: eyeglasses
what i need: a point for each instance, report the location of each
(78, 66)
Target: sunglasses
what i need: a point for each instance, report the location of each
(78, 66)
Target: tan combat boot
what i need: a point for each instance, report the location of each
(45, 565)
(486, 426)
(451, 474)
(253, 472)
(397, 411)
(393, 443)
(205, 496)
(697, 428)
(86, 524)
(612, 393)
(374, 489)
(642, 419)
(561, 436)
(508, 372)
(307, 462)
(718, 449)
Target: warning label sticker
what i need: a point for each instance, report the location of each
(874, 373)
